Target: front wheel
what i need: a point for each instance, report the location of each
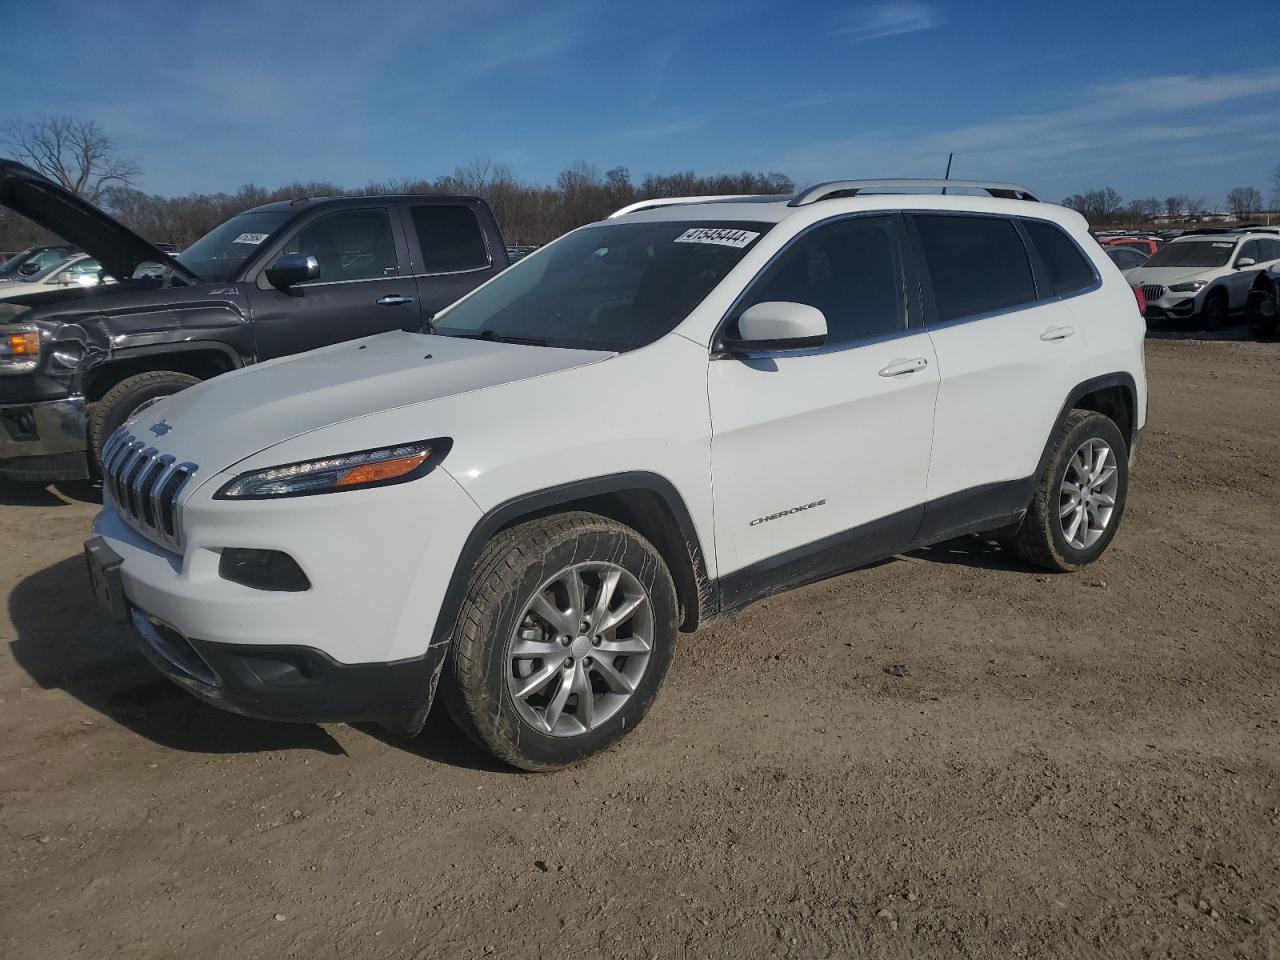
(564, 637)
(1080, 496)
(1215, 310)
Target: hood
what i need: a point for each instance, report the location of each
(1167, 276)
(236, 415)
(77, 221)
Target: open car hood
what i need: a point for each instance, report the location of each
(77, 221)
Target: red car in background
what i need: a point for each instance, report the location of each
(1147, 245)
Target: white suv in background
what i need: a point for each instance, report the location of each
(639, 428)
(1206, 273)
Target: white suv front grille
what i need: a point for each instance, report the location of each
(144, 484)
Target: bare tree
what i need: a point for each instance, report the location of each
(1193, 205)
(1244, 202)
(75, 153)
(1275, 185)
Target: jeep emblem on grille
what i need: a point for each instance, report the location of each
(160, 428)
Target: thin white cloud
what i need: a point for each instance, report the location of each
(659, 131)
(889, 19)
(1107, 129)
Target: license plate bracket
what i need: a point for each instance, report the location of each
(104, 577)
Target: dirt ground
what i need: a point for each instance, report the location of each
(1082, 765)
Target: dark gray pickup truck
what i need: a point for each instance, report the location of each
(279, 279)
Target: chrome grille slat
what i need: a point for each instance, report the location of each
(145, 484)
(1152, 291)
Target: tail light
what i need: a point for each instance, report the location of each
(1141, 298)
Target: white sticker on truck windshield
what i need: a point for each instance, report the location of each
(254, 238)
(724, 238)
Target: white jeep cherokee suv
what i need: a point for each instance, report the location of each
(1206, 273)
(641, 427)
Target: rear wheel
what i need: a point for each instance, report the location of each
(1214, 312)
(127, 398)
(564, 637)
(1080, 497)
(1264, 309)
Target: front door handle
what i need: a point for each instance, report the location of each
(901, 368)
(1057, 333)
(393, 299)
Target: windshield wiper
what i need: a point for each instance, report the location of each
(495, 337)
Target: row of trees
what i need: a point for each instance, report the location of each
(81, 157)
(1105, 207)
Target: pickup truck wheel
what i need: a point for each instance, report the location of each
(1214, 312)
(562, 641)
(1080, 497)
(130, 396)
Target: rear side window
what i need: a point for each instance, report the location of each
(848, 270)
(450, 238)
(1270, 249)
(977, 265)
(1067, 268)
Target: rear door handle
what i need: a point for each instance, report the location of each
(393, 300)
(1057, 333)
(902, 367)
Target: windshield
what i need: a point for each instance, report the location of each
(613, 287)
(220, 253)
(33, 266)
(1193, 253)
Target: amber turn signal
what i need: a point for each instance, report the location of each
(23, 344)
(385, 470)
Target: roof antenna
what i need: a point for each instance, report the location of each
(948, 173)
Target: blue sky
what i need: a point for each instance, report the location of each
(1150, 98)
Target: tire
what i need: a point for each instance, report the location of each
(1042, 540)
(1264, 311)
(125, 399)
(1215, 310)
(498, 622)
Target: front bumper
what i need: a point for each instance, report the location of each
(43, 441)
(292, 683)
(1172, 306)
(353, 646)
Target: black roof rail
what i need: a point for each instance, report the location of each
(836, 189)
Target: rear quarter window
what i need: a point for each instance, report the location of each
(977, 265)
(1068, 270)
(450, 238)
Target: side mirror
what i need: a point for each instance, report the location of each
(28, 268)
(1245, 262)
(293, 268)
(776, 326)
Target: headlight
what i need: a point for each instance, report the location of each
(348, 471)
(1190, 287)
(19, 349)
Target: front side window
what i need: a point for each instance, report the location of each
(349, 245)
(84, 273)
(977, 264)
(1249, 249)
(220, 254)
(450, 238)
(1067, 268)
(1193, 253)
(613, 286)
(850, 271)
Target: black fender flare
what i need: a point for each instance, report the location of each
(545, 501)
(233, 357)
(1083, 389)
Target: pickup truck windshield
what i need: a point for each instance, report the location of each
(615, 286)
(1193, 253)
(218, 256)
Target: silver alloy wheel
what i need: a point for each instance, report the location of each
(1087, 498)
(580, 648)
